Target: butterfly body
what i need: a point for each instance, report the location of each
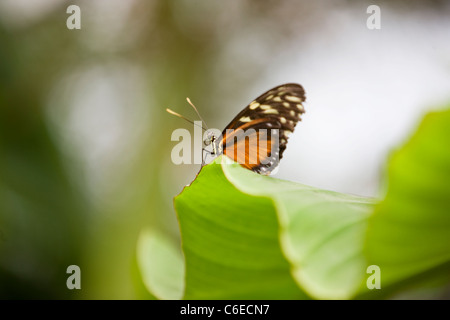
(256, 138)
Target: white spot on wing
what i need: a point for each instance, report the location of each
(253, 105)
(271, 111)
(245, 119)
(293, 98)
(277, 99)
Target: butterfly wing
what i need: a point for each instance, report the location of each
(257, 136)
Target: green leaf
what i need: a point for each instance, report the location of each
(247, 236)
(409, 232)
(231, 243)
(321, 232)
(161, 264)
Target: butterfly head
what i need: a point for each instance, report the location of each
(211, 138)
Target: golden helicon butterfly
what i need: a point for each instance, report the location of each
(257, 136)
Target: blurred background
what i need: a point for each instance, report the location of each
(85, 142)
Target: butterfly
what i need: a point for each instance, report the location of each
(257, 136)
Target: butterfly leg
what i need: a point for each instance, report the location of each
(205, 151)
(203, 157)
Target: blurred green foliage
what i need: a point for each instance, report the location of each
(42, 216)
(409, 233)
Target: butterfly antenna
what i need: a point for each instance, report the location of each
(183, 117)
(196, 111)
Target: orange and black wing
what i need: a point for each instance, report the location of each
(257, 136)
